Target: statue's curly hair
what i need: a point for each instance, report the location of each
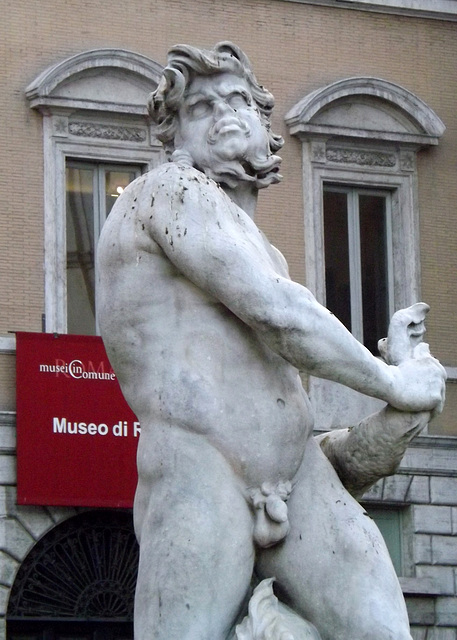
(184, 62)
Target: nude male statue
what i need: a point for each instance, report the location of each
(206, 333)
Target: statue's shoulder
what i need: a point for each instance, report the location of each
(178, 188)
(172, 174)
(173, 192)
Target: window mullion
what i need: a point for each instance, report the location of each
(99, 205)
(99, 220)
(390, 257)
(355, 268)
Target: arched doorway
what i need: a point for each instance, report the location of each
(78, 582)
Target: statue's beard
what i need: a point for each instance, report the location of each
(232, 158)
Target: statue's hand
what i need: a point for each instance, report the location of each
(419, 383)
(419, 379)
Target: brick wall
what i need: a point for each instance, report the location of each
(295, 49)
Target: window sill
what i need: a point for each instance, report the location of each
(419, 586)
(8, 344)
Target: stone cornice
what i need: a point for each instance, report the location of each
(431, 9)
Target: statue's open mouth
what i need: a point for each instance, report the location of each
(260, 175)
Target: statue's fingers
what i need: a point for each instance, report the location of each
(422, 350)
(418, 312)
(406, 331)
(416, 333)
(382, 348)
(413, 315)
(439, 407)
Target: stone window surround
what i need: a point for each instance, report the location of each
(346, 165)
(82, 122)
(378, 153)
(362, 132)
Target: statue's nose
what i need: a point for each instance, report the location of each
(221, 109)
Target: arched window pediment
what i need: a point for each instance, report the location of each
(360, 106)
(110, 80)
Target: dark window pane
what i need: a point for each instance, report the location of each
(337, 256)
(116, 181)
(389, 522)
(373, 247)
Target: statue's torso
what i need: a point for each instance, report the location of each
(188, 364)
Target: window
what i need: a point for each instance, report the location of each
(91, 191)
(358, 260)
(78, 581)
(360, 138)
(96, 138)
(390, 524)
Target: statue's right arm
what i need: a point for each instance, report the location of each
(220, 250)
(374, 448)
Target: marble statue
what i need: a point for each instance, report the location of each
(206, 333)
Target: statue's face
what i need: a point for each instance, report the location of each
(219, 123)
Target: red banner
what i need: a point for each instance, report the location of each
(76, 435)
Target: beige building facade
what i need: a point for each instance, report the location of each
(365, 100)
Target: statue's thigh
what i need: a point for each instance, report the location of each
(334, 568)
(196, 554)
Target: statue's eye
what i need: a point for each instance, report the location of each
(238, 100)
(200, 109)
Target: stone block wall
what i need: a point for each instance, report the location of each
(425, 489)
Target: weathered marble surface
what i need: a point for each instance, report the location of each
(206, 333)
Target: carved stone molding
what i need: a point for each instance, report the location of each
(407, 161)
(318, 151)
(361, 158)
(107, 132)
(60, 126)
